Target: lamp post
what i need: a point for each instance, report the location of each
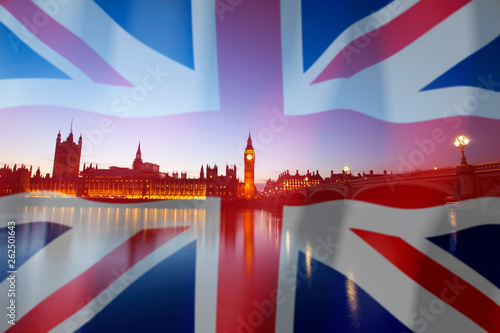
(347, 185)
(307, 190)
(345, 173)
(461, 142)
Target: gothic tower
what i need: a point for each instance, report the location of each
(137, 165)
(249, 159)
(67, 156)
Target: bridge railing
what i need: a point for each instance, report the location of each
(443, 171)
(487, 166)
(448, 171)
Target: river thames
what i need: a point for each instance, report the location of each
(191, 265)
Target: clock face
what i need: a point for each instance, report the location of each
(249, 157)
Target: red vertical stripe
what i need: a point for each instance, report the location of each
(248, 273)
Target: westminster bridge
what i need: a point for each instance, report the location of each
(410, 190)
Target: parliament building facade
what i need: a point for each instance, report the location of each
(143, 181)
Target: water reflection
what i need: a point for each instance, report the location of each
(248, 265)
(452, 218)
(109, 218)
(247, 244)
(248, 218)
(243, 232)
(309, 269)
(246, 231)
(353, 300)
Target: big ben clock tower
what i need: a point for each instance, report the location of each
(249, 158)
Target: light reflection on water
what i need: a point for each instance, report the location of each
(452, 218)
(353, 300)
(309, 252)
(247, 233)
(108, 218)
(247, 242)
(248, 262)
(243, 231)
(248, 226)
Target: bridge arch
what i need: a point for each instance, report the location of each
(408, 194)
(271, 203)
(281, 199)
(280, 202)
(494, 192)
(296, 199)
(325, 195)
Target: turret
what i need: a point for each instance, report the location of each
(70, 136)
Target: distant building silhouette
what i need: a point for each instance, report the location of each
(343, 176)
(14, 180)
(287, 181)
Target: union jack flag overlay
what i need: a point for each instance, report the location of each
(343, 267)
(367, 268)
(90, 267)
(139, 65)
(398, 61)
(187, 266)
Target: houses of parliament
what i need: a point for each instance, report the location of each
(143, 181)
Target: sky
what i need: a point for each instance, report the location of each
(251, 98)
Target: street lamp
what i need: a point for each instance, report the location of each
(461, 142)
(345, 173)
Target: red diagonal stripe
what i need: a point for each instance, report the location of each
(64, 42)
(80, 291)
(390, 38)
(443, 283)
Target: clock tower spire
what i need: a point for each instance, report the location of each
(137, 165)
(249, 159)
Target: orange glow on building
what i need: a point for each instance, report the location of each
(249, 160)
(143, 181)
